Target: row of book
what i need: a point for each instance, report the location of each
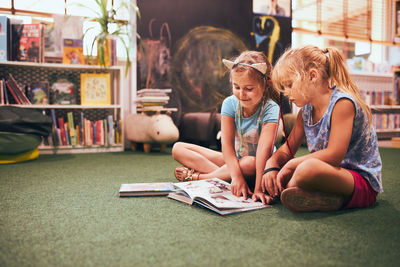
(95, 89)
(9, 88)
(67, 132)
(379, 97)
(389, 121)
(61, 39)
(21, 42)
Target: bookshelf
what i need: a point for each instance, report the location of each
(397, 18)
(381, 93)
(26, 72)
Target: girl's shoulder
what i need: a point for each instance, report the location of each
(229, 105)
(230, 101)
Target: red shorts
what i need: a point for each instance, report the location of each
(363, 194)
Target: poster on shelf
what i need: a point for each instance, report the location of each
(95, 89)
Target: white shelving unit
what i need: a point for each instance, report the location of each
(26, 72)
(384, 85)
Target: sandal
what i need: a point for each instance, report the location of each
(186, 174)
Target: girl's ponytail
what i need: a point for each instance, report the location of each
(339, 76)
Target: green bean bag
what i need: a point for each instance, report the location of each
(17, 147)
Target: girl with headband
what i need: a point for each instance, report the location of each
(248, 126)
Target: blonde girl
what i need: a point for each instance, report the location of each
(343, 168)
(248, 127)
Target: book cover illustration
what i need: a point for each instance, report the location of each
(146, 189)
(73, 51)
(65, 27)
(4, 45)
(214, 194)
(95, 89)
(38, 93)
(30, 43)
(62, 90)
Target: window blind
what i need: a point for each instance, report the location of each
(359, 20)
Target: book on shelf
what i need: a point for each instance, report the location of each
(214, 194)
(4, 33)
(73, 51)
(146, 189)
(65, 27)
(63, 90)
(31, 43)
(39, 92)
(95, 89)
(16, 91)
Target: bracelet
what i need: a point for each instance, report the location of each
(271, 169)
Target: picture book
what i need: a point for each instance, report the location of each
(63, 91)
(146, 189)
(214, 194)
(95, 89)
(65, 27)
(73, 51)
(38, 93)
(30, 43)
(4, 45)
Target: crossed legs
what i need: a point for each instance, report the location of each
(317, 185)
(207, 162)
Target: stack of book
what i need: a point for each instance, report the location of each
(152, 99)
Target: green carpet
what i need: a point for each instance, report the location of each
(64, 210)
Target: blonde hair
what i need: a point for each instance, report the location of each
(252, 57)
(294, 65)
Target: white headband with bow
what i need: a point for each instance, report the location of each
(261, 67)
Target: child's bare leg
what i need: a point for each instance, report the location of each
(316, 185)
(247, 166)
(201, 159)
(317, 175)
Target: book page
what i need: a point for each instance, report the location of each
(216, 192)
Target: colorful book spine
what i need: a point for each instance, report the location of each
(55, 128)
(4, 33)
(62, 131)
(71, 127)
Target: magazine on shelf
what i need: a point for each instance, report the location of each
(146, 189)
(214, 194)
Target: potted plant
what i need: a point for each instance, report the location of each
(110, 28)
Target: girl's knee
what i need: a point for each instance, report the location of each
(248, 165)
(177, 149)
(306, 172)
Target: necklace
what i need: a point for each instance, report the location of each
(240, 114)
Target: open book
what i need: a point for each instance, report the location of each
(214, 194)
(145, 189)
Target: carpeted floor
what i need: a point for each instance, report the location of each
(64, 210)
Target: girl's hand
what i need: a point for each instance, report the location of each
(239, 188)
(269, 183)
(285, 174)
(265, 199)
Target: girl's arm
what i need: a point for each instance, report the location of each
(238, 184)
(264, 151)
(341, 129)
(283, 155)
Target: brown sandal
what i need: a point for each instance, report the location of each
(186, 174)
